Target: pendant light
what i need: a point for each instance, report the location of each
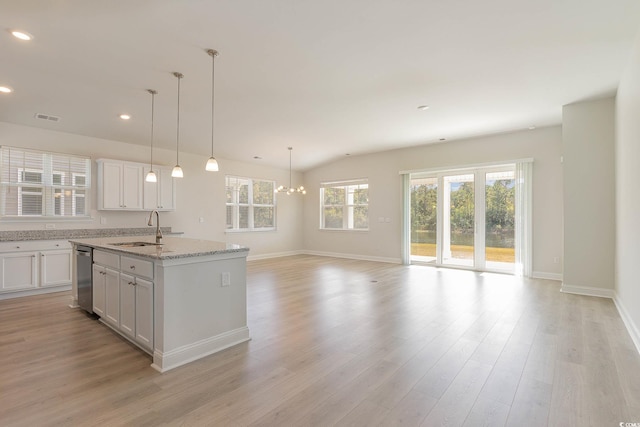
(151, 175)
(212, 163)
(177, 170)
(290, 190)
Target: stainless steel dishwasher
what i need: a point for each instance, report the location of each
(84, 266)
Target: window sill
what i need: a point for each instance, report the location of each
(342, 230)
(250, 230)
(45, 219)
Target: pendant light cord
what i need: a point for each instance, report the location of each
(213, 69)
(290, 149)
(153, 96)
(179, 76)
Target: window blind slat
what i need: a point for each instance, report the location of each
(41, 184)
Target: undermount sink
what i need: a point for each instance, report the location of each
(135, 244)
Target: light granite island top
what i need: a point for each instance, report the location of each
(170, 248)
(179, 301)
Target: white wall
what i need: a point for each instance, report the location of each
(627, 155)
(589, 197)
(383, 240)
(199, 193)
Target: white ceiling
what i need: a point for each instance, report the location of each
(327, 77)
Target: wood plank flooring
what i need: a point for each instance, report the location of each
(339, 342)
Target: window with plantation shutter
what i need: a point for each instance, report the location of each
(40, 184)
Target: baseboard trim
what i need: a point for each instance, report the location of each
(354, 256)
(633, 330)
(274, 255)
(162, 362)
(37, 291)
(547, 276)
(588, 291)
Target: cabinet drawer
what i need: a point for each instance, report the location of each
(34, 245)
(106, 258)
(137, 267)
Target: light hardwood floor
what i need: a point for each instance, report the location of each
(339, 342)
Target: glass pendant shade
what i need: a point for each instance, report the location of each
(212, 165)
(151, 177)
(177, 172)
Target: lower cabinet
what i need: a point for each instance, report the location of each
(30, 267)
(55, 267)
(124, 300)
(136, 309)
(18, 271)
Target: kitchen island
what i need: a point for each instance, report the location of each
(178, 301)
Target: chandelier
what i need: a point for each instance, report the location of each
(290, 190)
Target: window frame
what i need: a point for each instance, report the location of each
(349, 205)
(251, 205)
(54, 188)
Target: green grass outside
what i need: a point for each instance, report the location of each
(465, 252)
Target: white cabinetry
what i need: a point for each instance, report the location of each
(119, 185)
(34, 266)
(123, 298)
(99, 286)
(18, 271)
(159, 195)
(55, 267)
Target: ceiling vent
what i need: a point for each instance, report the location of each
(47, 117)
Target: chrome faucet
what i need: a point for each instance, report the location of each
(150, 224)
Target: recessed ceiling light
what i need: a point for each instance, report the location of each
(532, 127)
(443, 139)
(423, 107)
(22, 35)
(5, 89)
(125, 116)
(257, 157)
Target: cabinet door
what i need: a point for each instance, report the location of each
(18, 271)
(99, 290)
(55, 268)
(144, 313)
(112, 186)
(159, 195)
(166, 190)
(112, 300)
(131, 186)
(128, 305)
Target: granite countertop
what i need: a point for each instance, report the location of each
(62, 234)
(171, 248)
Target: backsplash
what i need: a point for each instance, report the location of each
(19, 235)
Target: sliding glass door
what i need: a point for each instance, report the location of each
(458, 226)
(464, 218)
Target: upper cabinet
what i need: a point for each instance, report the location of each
(159, 195)
(121, 186)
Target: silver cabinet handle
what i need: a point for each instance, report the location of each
(132, 283)
(133, 267)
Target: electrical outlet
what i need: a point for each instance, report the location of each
(226, 279)
(103, 220)
(201, 219)
(556, 260)
(49, 226)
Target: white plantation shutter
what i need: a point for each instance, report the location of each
(40, 184)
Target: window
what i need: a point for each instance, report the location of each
(38, 184)
(251, 204)
(344, 205)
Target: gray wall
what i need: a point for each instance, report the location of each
(627, 152)
(200, 194)
(589, 196)
(383, 240)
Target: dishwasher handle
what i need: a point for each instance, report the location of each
(81, 253)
